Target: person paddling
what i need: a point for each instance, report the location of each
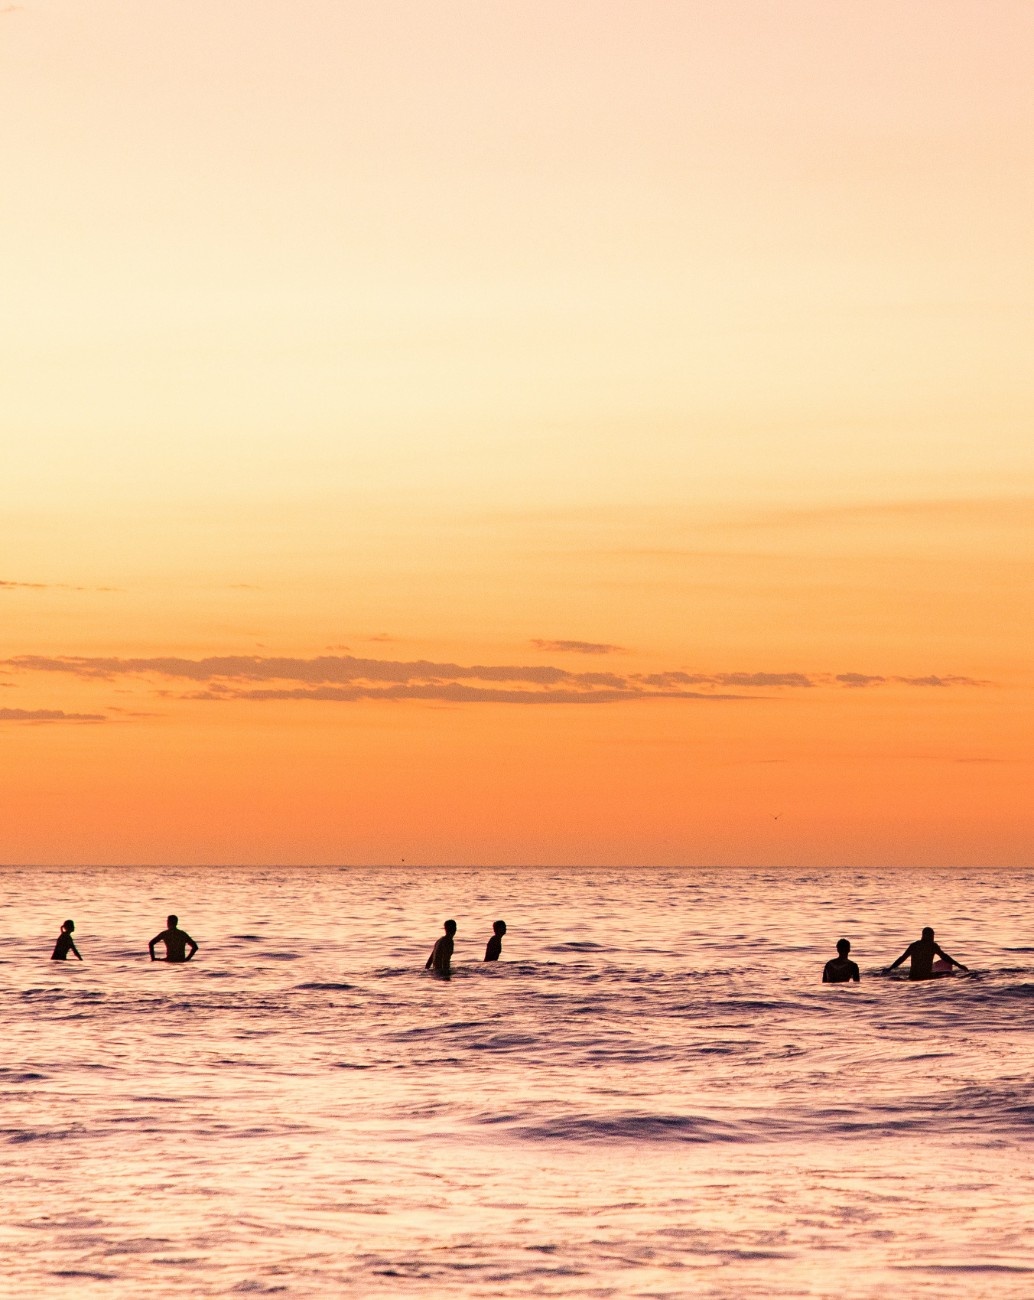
(176, 942)
(65, 943)
(921, 958)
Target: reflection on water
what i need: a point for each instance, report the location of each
(651, 1094)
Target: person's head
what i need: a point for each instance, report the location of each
(450, 928)
(172, 922)
(499, 928)
(68, 926)
(843, 947)
(927, 931)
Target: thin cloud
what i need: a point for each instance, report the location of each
(10, 584)
(739, 680)
(764, 679)
(940, 681)
(457, 693)
(323, 669)
(861, 680)
(577, 647)
(48, 715)
(346, 677)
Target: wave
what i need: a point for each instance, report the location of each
(971, 1109)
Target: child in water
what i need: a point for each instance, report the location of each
(495, 944)
(65, 944)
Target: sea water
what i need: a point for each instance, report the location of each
(652, 1094)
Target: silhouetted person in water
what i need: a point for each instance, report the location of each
(921, 955)
(495, 944)
(176, 942)
(440, 960)
(65, 944)
(841, 969)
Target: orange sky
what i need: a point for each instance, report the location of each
(535, 432)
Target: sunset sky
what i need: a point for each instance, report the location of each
(517, 432)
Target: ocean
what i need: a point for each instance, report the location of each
(652, 1094)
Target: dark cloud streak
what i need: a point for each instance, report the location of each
(577, 647)
(348, 677)
(457, 693)
(48, 715)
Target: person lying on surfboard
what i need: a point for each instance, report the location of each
(440, 960)
(840, 969)
(921, 955)
(176, 942)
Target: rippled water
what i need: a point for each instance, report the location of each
(651, 1094)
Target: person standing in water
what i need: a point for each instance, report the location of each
(495, 944)
(921, 955)
(440, 960)
(840, 969)
(176, 942)
(65, 944)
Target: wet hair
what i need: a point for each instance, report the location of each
(843, 947)
(499, 927)
(927, 931)
(173, 920)
(68, 925)
(450, 927)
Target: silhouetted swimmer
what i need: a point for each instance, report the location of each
(921, 955)
(176, 942)
(841, 969)
(440, 960)
(495, 944)
(65, 944)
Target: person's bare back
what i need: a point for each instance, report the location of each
(440, 960)
(176, 942)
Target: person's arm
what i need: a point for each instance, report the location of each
(76, 951)
(193, 948)
(855, 973)
(150, 946)
(906, 953)
(430, 961)
(825, 974)
(950, 960)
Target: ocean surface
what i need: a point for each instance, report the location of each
(651, 1095)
